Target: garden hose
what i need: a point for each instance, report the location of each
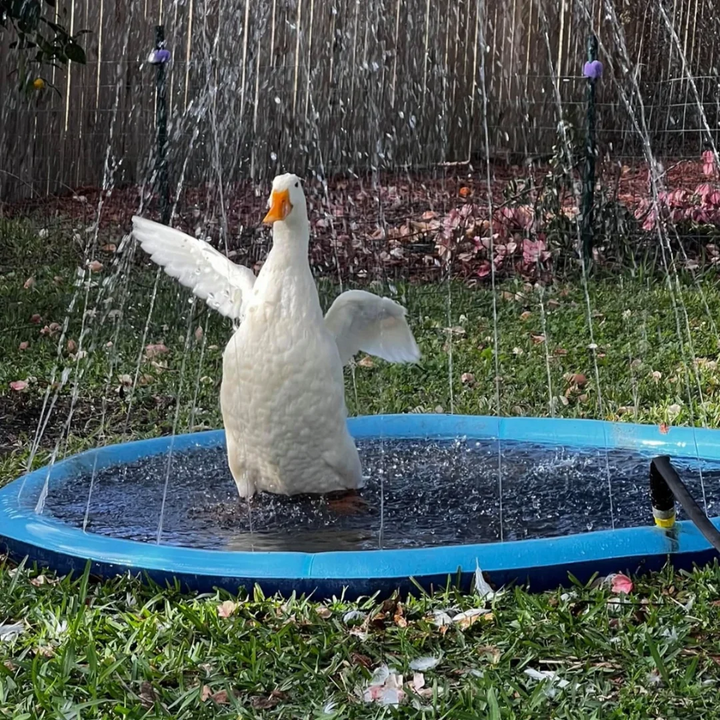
(666, 487)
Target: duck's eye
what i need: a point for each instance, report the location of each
(297, 184)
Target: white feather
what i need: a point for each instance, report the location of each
(361, 321)
(224, 285)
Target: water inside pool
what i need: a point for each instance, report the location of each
(435, 493)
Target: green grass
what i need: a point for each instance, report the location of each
(118, 649)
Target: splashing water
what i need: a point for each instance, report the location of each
(347, 90)
(419, 494)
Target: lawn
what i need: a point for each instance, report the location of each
(126, 355)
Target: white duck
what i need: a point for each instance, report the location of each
(283, 394)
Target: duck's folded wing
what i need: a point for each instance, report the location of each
(197, 265)
(361, 321)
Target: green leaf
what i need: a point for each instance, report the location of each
(26, 12)
(75, 53)
(657, 659)
(493, 704)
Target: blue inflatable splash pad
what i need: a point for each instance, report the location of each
(528, 500)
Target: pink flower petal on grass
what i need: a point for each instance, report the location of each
(621, 584)
(18, 385)
(227, 608)
(152, 351)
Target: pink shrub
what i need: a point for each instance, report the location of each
(709, 164)
(701, 207)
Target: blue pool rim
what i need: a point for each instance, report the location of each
(542, 563)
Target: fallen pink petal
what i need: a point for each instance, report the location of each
(385, 687)
(153, 350)
(621, 584)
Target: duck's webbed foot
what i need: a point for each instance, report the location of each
(346, 502)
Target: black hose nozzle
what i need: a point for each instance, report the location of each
(661, 494)
(666, 487)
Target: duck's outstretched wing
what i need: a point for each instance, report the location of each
(360, 320)
(198, 266)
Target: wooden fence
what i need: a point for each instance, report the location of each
(342, 85)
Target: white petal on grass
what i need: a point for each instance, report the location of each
(329, 708)
(422, 664)
(392, 696)
(380, 675)
(58, 628)
(553, 680)
(547, 675)
(10, 631)
(481, 586)
(441, 618)
(352, 616)
(468, 615)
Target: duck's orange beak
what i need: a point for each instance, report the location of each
(280, 206)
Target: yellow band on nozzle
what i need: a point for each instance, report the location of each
(665, 522)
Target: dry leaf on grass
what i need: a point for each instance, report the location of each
(220, 697)
(148, 696)
(43, 580)
(399, 616)
(265, 703)
(359, 659)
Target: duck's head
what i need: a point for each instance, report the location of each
(287, 201)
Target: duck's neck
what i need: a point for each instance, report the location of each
(285, 280)
(291, 241)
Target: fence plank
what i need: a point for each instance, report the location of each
(259, 87)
